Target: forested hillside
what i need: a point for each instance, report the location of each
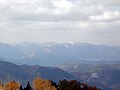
(106, 76)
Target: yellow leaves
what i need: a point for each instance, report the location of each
(12, 85)
(41, 84)
(38, 84)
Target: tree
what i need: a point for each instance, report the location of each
(12, 85)
(63, 84)
(21, 88)
(28, 86)
(41, 84)
(69, 85)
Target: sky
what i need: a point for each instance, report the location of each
(86, 21)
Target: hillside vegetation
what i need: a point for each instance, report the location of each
(42, 84)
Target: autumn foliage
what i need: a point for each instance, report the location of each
(12, 85)
(42, 84)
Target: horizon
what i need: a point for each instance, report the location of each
(58, 42)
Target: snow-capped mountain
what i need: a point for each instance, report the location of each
(58, 53)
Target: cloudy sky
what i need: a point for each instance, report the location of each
(87, 21)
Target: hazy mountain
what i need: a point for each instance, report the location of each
(106, 76)
(58, 53)
(10, 71)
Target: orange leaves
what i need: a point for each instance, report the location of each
(12, 85)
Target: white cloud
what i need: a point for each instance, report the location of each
(106, 16)
(62, 4)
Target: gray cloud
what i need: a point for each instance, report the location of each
(90, 21)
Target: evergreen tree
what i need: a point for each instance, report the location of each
(21, 88)
(28, 86)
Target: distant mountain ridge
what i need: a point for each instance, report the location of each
(58, 53)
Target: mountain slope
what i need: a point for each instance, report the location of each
(105, 76)
(10, 71)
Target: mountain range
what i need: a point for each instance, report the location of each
(52, 54)
(93, 64)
